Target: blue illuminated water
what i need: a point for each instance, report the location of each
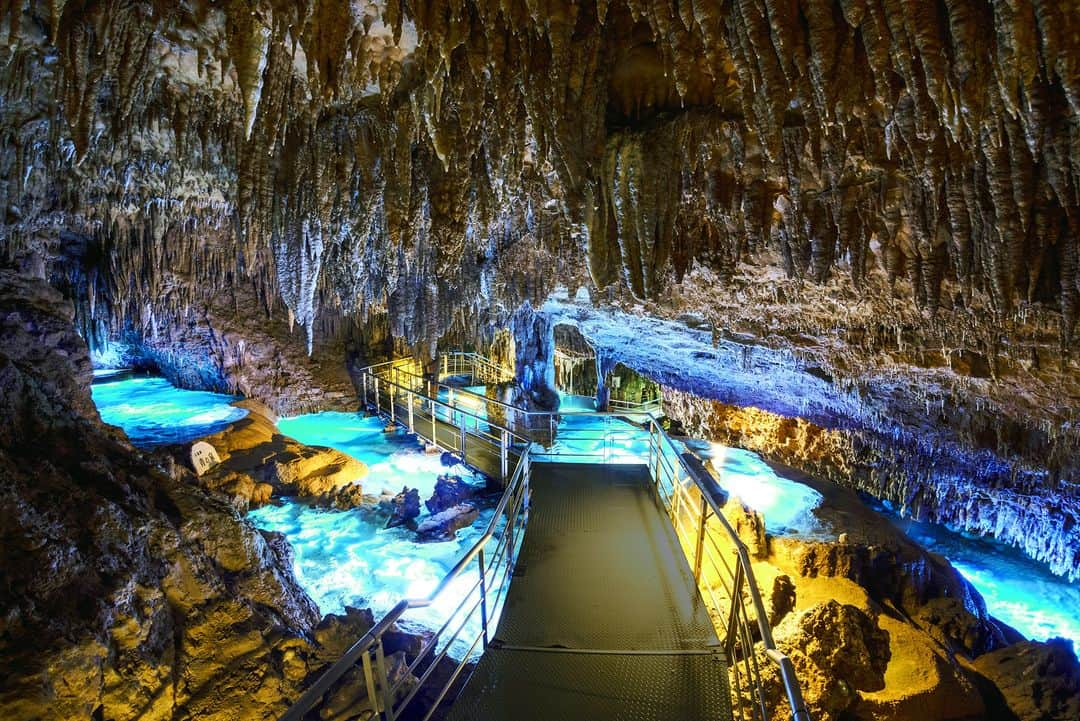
(343, 559)
(1021, 592)
(152, 412)
(573, 404)
(394, 460)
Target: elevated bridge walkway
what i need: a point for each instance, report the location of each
(599, 591)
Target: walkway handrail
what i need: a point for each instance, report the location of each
(739, 641)
(396, 370)
(475, 365)
(381, 689)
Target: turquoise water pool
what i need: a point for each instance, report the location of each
(342, 559)
(153, 412)
(394, 459)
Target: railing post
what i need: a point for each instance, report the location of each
(369, 682)
(392, 392)
(363, 378)
(504, 454)
(700, 547)
(732, 622)
(384, 677)
(445, 363)
(410, 398)
(378, 400)
(483, 599)
(463, 434)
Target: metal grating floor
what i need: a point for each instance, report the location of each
(603, 619)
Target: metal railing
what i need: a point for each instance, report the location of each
(719, 559)
(654, 407)
(393, 680)
(479, 367)
(538, 426)
(725, 578)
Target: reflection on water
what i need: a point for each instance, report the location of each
(152, 412)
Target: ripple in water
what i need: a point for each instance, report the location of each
(153, 412)
(343, 560)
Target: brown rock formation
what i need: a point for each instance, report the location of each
(257, 461)
(1035, 680)
(128, 592)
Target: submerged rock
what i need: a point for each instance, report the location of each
(449, 491)
(444, 525)
(404, 508)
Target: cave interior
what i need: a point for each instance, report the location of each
(676, 358)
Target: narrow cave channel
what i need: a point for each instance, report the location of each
(584, 360)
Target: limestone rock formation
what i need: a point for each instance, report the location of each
(1035, 680)
(129, 592)
(257, 461)
(404, 508)
(449, 491)
(882, 190)
(837, 650)
(444, 525)
(870, 208)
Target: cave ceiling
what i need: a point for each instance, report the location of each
(441, 162)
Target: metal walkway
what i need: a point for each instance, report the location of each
(608, 608)
(603, 619)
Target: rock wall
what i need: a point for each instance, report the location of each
(230, 345)
(129, 593)
(969, 461)
(950, 485)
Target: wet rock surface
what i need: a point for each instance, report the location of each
(1034, 680)
(449, 491)
(936, 630)
(258, 462)
(444, 525)
(404, 508)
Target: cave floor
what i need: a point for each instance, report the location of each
(603, 619)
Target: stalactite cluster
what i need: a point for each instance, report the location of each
(384, 156)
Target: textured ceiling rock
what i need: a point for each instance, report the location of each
(372, 156)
